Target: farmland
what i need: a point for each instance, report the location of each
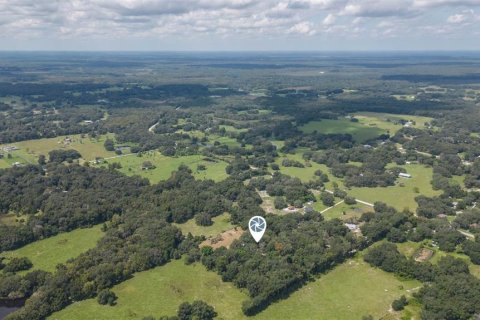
(46, 254)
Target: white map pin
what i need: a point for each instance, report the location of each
(257, 226)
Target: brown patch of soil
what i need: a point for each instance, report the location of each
(224, 239)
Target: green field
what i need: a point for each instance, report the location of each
(389, 122)
(46, 254)
(351, 211)
(398, 196)
(220, 224)
(132, 165)
(308, 173)
(370, 125)
(30, 150)
(350, 291)
(159, 292)
(359, 131)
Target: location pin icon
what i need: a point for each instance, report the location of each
(257, 226)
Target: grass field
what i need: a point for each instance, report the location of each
(159, 292)
(370, 125)
(132, 165)
(351, 211)
(31, 149)
(221, 223)
(308, 173)
(350, 291)
(46, 254)
(389, 122)
(398, 196)
(359, 131)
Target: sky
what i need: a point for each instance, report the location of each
(240, 25)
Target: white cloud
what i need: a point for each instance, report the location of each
(231, 18)
(305, 28)
(329, 20)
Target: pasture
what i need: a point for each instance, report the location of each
(159, 292)
(359, 131)
(349, 291)
(29, 151)
(369, 125)
(221, 223)
(402, 195)
(164, 166)
(47, 253)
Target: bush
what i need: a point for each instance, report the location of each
(198, 310)
(18, 264)
(350, 200)
(279, 203)
(399, 304)
(107, 297)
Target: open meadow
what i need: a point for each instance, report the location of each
(349, 291)
(164, 166)
(221, 223)
(47, 253)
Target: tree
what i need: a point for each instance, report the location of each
(42, 160)
(109, 145)
(198, 310)
(203, 219)
(279, 203)
(107, 297)
(350, 200)
(327, 199)
(18, 264)
(399, 304)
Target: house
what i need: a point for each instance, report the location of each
(404, 175)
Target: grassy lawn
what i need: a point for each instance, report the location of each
(46, 254)
(159, 292)
(132, 165)
(232, 129)
(389, 122)
(398, 196)
(308, 173)
(359, 131)
(221, 223)
(349, 291)
(31, 149)
(351, 211)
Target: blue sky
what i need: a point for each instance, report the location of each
(239, 25)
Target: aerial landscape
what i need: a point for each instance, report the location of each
(182, 180)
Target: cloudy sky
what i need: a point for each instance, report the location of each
(239, 25)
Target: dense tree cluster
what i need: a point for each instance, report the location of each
(293, 248)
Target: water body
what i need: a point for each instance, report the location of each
(9, 306)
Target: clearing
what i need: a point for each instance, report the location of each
(46, 254)
(159, 292)
(221, 223)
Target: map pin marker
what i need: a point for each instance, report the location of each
(257, 226)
